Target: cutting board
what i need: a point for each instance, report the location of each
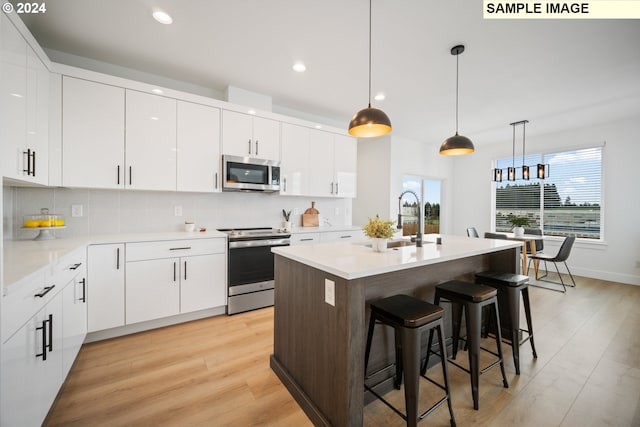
(310, 216)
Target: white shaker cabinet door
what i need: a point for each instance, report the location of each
(153, 289)
(198, 148)
(92, 134)
(203, 282)
(150, 142)
(105, 282)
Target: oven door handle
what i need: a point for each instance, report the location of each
(257, 243)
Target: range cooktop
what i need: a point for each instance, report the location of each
(254, 233)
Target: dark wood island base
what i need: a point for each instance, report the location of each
(319, 348)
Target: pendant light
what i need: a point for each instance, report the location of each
(369, 122)
(542, 170)
(457, 144)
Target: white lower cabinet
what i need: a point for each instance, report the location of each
(105, 283)
(174, 277)
(37, 356)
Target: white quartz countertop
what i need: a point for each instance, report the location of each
(23, 258)
(353, 260)
(325, 229)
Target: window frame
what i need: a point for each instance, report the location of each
(544, 154)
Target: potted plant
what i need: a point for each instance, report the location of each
(518, 223)
(287, 220)
(380, 231)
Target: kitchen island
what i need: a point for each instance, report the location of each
(322, 296)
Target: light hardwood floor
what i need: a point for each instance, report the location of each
(215, 372)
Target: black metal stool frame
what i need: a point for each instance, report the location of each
(473, 319)
(410, 337)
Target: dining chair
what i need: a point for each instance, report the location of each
(561, 256)
(472, 232)
(539, 243)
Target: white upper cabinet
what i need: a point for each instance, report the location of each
(92, 134)
(198, 144)
(294, 160)
(332, 165)
(150, 142)
(24, 87)
(345, 154)
(250, 136)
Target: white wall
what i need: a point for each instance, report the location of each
(383, 161)
(618, 259)
(122, 211)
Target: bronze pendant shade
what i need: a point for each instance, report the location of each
(369, 122)
(457, 144)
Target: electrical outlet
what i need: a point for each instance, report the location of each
(177, 210)
(337, 212)
(330, 292)
(76, 211)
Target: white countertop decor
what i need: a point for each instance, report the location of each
(353, 260)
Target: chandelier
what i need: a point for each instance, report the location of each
(542, 169)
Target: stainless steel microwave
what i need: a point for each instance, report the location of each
(250, 174)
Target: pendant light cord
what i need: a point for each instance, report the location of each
(524, 125)
(513, 147)
(370, 53)
(457, 78)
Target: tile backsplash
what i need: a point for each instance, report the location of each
(124, 211)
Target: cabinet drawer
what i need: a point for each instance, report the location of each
(330, 236)
(22, 303)
(304, 238)
(174, 248)
(69, 267)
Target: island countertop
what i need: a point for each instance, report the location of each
(353, 260)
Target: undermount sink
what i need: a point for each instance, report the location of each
(396, 243)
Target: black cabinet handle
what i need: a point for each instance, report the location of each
(285, 184)
(256, 147)
(33, 164)
(332, 188)
(117, 258)
(118, 174)
(84, 290)
(215, 181)
(185, 270)
(336, 188)
(129, 175)
(180, 249)
(345, 237)
(50, 345)
(45, 291)
(44, 340)
(249, 147)
(174, 271)
(28, 169)
(75, 266)
(306, 240)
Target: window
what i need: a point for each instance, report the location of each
(567, 202)
(429, 191)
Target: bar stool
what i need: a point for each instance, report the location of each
(409, 317)
(471, 298)
(511, 286)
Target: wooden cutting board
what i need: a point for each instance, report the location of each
(310, 216)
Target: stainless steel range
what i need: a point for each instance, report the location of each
(250, 267)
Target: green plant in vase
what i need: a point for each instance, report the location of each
(380, 231)
(518, 223)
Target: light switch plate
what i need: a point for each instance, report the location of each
(330, 292)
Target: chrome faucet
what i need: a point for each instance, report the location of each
(420, 216)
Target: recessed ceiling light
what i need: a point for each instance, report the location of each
(154, 118)
(318, 126)
(162, 17)
(299, 67)
(158, 91)
(251, 111)
(379, 96)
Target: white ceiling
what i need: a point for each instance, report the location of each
(558, 74)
